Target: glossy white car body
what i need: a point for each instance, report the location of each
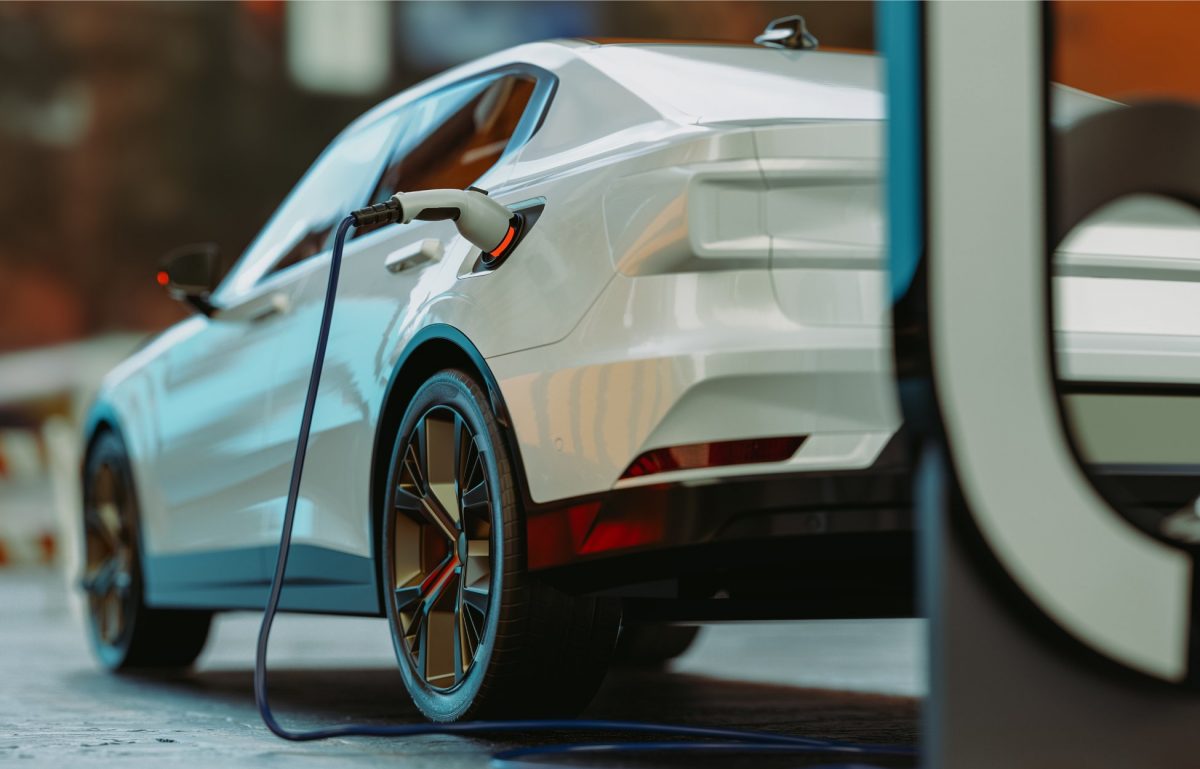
(708, 266)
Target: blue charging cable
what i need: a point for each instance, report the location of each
(702, 738)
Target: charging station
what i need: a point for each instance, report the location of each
(1061, 633)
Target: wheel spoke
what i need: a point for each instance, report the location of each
(408, 501)
(104, 518)
(405, 597)
(475, 470)
(440, 466)
(439, 652)
(99, 608)
(422, 596)
(460, 445)
(476, 599)
(100, 581)
(414, 465)
(472, 628)
(426, 630)
(421, 456)
(436, 514)
(435, 584)
(112, 616)
(441, 636)
(475, 496)
(472, 618)
(478, 565)
(125, 572)
(425, 509)
(93, 520)
(421, 641)
(458, 639)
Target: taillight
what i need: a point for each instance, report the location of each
(715, 454)
(557, 537)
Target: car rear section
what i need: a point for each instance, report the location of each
(722, 421)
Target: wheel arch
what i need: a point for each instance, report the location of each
(101, 418)
(432, 349)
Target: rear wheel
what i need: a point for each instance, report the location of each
(124, 632)
(474, 634)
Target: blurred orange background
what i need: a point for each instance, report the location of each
(1134, 49)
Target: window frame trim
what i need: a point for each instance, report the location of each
(254, 290)
(544, 88)
(534, 115)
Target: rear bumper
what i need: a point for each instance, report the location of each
(700, 540)
(673, 360)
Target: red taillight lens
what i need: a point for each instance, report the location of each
(715, 454)
(557, 537)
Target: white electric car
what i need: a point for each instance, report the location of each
(673, 401)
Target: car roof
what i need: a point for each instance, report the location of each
(745, 83)
(826, 73)
(718, 81)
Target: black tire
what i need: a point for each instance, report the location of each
(515, 648)
(650, 645)
(124, 632)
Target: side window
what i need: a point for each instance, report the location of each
(303, 225)
(454, 136)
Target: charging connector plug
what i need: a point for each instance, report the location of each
(487, 224)
(380, 213)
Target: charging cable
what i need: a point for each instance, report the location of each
(484, 222)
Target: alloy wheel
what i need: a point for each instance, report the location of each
(108, 568)
(441, 545)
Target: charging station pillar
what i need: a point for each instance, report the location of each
(1060, 634)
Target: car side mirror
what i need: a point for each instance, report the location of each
(190, 274)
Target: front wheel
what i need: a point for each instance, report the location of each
(475, 635)
(125, 633)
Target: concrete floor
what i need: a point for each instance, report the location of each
(844, 680)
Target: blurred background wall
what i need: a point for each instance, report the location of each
(1129, 49)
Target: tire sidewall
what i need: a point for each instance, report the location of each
(449, 389)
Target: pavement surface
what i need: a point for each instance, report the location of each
(851, 680)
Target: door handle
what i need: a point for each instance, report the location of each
(413, 255)
(276, 304)
(257, 309)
